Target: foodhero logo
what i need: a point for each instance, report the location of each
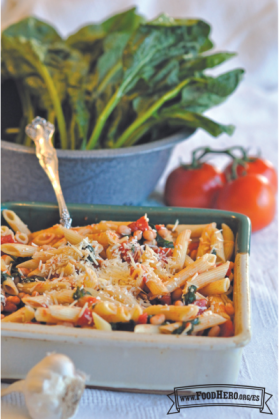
(219, 395)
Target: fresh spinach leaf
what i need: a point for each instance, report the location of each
(118, 82)
(4, 277)
(190, 296)
(181, 328)
(79, 293)
(164, 243)
(33, 278)
(121, 326)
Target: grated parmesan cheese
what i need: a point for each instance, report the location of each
(175, 225)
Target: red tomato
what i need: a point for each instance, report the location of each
(227, 329)
(202, 303)
(87, 299)
(194, 188)
(86, 318)
(257, 167)
(126, 251)
(7, 239)
(140, 224)
(142, 318)
(250, 195)
(166, 299)
(163, 253)
(159, 227)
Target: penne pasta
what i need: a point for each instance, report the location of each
(205, 240)
(188, 261)
(155, 285)
(113, 314)
(7, 259)
(170, 328)
(15, 222)
(105, 238)
(212, 275)
(202, 264)
(180, 249)
(6, 231)
(28, 264)
(21, 237)
(217, 244)
(23, 315)
(108, 225)
(38, 301)
(44, 238)
(218, 287)
(18, 250)
(65, 313)
(52, 230)
(228, 241)
(43, 315)
(43, 286)
(207, 320)
(71, 236)
(4, 267)
(176, 313)
(10, 287)
(196, 229)
(217, 306)
(101, 324)
(107, 276)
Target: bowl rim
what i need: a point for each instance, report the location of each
(162, 144)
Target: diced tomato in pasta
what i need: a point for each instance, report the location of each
(86, 319)
(140, 224)
(227, 329)
(163, 252)
(202, 303)
(166, 299)
(143, 318)
(87, 299)
(7, 239)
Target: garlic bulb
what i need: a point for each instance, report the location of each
(52, 389)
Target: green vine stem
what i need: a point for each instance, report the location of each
(201, 152)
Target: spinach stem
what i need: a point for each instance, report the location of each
(114, 100)
(72, 132)
(108, 77)
(140, 131)
(28, 113)
(141, 119)
(112, 103)
(51, 116)
(56, 104)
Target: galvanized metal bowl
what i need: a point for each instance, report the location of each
(123, 176)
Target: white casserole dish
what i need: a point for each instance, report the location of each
(125, 360)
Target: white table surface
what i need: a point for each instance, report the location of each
(255, 115)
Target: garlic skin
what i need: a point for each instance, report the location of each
(52, 388)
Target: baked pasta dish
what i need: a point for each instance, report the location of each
(129, 276)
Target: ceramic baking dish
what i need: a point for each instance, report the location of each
(125, 360)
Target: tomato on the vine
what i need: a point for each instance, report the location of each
(250, 195)
(194, 187)
(256, 166)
